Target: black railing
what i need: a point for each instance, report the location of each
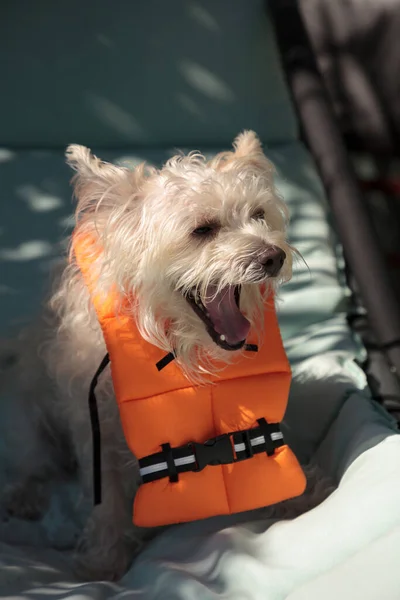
(321, 134)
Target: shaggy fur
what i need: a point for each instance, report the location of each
(193, 228)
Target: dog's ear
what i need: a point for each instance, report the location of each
(247, 152)
(90, 170)
(248, 147)
(98, 183)
(247, 143)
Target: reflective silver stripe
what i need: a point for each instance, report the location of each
(276, 435)
(187, 460)
(153, 469)
(162, 466)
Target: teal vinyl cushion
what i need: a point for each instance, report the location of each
(143, 73)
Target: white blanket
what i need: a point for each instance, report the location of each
(346, 548)
(330, 550)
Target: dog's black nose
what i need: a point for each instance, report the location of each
(272, 260)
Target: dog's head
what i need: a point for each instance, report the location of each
(197, 244)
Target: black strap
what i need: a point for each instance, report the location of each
(165, 361)
(221, 450)
(172, 472)
(96, 433)
(251, 348)
(265, 428)
(246, 440)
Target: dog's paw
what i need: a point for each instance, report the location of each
(27, 500)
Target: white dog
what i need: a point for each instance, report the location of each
(190, 242)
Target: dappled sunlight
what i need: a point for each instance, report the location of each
(130, 161)
(26, 251)
(67, 222)
(308, 332)
(301, 277)
(40, 579)
(202, 16)
(6, 155)
(16, 571)
(191, 106)
(206, 82)
(115, 116)
(141, 594)
(49, 591)
(35, 214)
(38, 200)
(316, 253)
(104, 40)
(242, 417)
(67, 585)
(204, 564)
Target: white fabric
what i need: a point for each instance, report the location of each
(371, 574)
(325, 553)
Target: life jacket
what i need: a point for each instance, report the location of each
(203, 450)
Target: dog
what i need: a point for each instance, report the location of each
(183, 241)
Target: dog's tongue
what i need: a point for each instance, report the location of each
(226, 316)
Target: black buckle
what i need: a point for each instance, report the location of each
(216, 451)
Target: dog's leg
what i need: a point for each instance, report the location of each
(26, 498)
(30, 455)
(109, 541)
(107, 548)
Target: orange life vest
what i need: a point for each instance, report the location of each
(166, 418)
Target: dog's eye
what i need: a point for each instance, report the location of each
(259, 215)
(205, 230)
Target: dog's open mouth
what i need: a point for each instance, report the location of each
(221, 315)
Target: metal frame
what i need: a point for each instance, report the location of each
(321, 134)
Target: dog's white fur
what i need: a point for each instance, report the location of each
(144, 221)
(145, 218)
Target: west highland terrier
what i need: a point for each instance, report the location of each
(199, 245)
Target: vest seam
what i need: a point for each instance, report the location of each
(188, 387)
(212, 397)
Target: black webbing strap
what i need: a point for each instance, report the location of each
(96, 433)
(251, 348)
(224, 449)
(171, 468)
(163, 362)
(265, 431)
